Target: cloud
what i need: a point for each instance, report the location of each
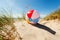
(17, 15)
(42, 15)
(10, 6)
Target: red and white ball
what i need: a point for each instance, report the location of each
(32, 16)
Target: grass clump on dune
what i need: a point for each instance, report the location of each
(53, 16)
(7, 28)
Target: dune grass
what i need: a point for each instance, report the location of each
(6, 21)
(54, 15)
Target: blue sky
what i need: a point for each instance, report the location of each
(44, 7)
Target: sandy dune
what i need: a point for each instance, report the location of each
(29, 32)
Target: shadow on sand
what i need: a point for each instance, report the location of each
(45, 28)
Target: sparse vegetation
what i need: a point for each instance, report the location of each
(7, 28)
(21, 18)
(54, 15)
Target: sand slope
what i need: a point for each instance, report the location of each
(29, 32)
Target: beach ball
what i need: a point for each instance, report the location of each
(32, 16)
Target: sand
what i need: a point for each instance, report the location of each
(29, 32)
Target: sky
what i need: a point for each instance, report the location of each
(18, 7)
